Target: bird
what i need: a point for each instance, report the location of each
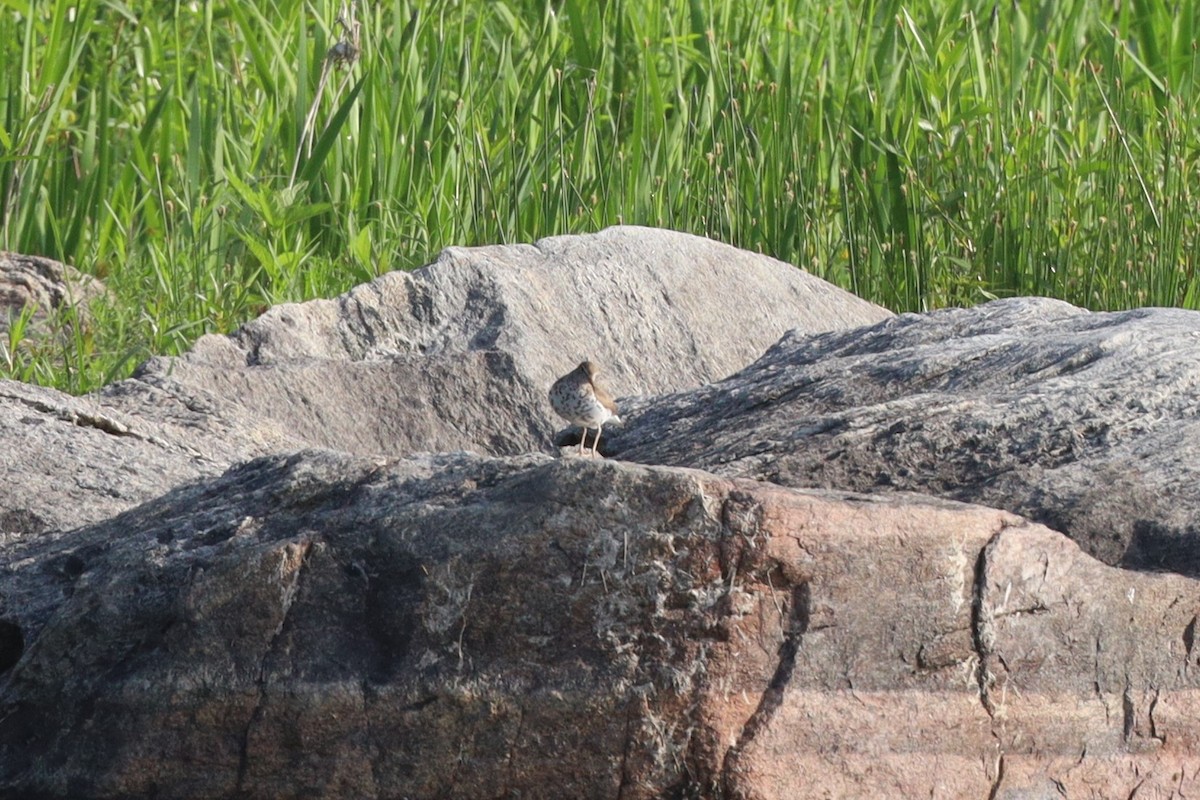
(577, 398)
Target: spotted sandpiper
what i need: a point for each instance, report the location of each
(578, 399)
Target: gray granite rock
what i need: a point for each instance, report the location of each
(456, 356)
(42, 287)
(68, 461)
(1079, 420)
(460, 353)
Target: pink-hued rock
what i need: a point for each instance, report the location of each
(324, 626)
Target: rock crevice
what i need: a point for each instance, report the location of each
(772, 697)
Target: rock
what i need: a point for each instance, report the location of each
(192, 604)
(1031, 405)
(69, 461)
(321, 625)
(456, 356)
(401, 364)
(45, 287)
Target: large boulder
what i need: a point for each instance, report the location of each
(458, 355)
(318, 625)
(1075, 419)
(193, 604)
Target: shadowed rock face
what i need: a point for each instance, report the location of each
(760, 597)
(1071, 418)
(457, 626)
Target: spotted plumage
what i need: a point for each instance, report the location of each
(580, 400)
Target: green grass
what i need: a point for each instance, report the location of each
(920, 154)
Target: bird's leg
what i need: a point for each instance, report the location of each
(596, 441)
(582, 440)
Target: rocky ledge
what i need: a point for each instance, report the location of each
(237, 575)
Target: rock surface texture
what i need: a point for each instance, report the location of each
(455, 626)
(1074, 419)
(458, 355)
(238, 575)
(41, 287)
(455, 356)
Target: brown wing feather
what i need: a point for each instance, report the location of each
(604, 397)
(590, 370)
